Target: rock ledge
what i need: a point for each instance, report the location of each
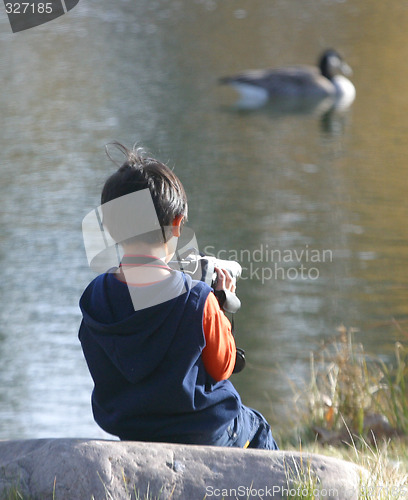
(79, 469)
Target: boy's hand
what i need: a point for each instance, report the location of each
(224, 280)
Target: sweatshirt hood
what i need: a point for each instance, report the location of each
(135, 341)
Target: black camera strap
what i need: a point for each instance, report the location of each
(240, 360)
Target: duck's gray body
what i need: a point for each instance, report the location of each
(290, 81)
(326, 80)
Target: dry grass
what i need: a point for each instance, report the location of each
(355, 407)
(351, 393)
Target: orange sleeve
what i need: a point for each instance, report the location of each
(219, 352)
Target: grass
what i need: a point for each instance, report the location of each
(355, 407)
(352, 394)
(302, 482)
(12, 494)
(385, 462)
(396, 381)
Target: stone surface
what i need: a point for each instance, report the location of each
(76, 469)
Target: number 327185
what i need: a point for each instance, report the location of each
(29, 8)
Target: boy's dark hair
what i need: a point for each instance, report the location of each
(142, 172)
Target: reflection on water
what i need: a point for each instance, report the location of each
(147, 72)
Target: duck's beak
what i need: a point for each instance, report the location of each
(346, 69)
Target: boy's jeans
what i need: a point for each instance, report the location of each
(248, 430)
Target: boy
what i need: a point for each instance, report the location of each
(160, 365)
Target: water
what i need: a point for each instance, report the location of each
(257, 182)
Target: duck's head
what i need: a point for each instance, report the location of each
(331, 64)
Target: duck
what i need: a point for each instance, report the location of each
(326, 80)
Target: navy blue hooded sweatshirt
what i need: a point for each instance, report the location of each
(150, 380)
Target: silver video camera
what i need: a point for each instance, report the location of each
(202, 268)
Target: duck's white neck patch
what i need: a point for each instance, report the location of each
(345, 90)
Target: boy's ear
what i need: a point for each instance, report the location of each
(176, 229)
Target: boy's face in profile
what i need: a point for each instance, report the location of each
(171, 244)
